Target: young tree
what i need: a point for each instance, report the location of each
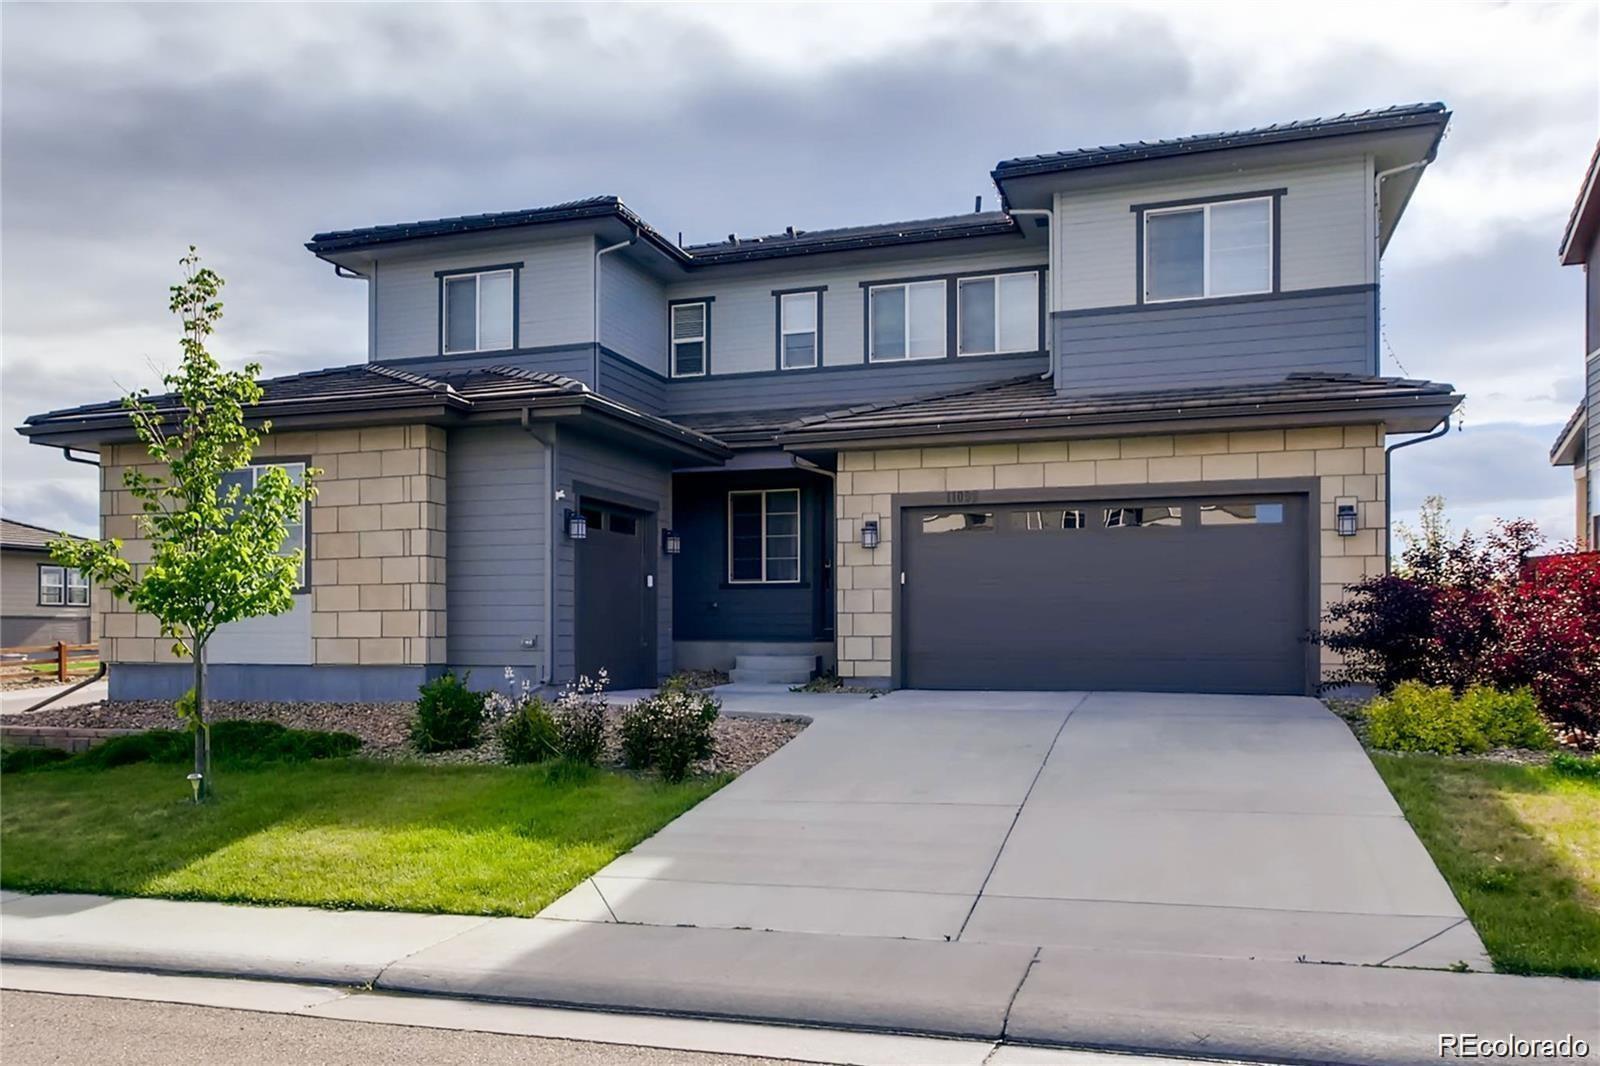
(216, 553)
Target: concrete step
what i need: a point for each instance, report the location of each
(773, 669)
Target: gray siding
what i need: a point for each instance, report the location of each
(496, 502)
(744, 311)
(633, 313)
(596, 463)
(555, 299)
(1326, 237)
(19, 604)
(228, 681)
(624, 380)
(845, 385)
(1592, 431)
(283, 639)
(1210, 343)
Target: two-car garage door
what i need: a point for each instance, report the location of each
(1181, 594)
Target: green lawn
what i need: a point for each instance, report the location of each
(1520, 845)
(339, 833)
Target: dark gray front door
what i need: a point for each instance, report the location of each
(1187, 594)
(616, 597)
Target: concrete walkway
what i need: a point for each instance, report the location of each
(18, 700)
(1216, 826)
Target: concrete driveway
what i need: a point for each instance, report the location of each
(1217, 826)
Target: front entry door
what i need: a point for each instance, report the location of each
(616, 596)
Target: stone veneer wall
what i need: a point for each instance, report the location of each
(377, 568)
(1347, 460)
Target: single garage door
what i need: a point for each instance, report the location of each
(1175, 595)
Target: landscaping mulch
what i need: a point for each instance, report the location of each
(741, 742)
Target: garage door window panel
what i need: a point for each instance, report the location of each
(1139, 516)
(1241, 514)
(942, 522)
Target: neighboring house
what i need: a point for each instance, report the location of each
(41, 602)
(1126, 432)
(1578, 445)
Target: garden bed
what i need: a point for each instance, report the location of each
(741, 742)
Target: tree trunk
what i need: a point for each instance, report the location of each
(202, 739)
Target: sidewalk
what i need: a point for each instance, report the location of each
(1154, 1003)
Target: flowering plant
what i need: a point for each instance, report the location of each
(580, 714)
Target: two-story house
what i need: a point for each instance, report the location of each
(1125, 432)
(1578, 444)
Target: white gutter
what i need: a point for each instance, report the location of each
(1050, 289)
(607, 250)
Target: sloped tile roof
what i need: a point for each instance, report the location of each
(1021, 402)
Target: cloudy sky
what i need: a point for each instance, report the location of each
(129, 132)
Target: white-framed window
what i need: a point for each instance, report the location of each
(691, 336)
(1215, 249)
(906, 321)
(999, 313)
(799, 335)
(764, 536)
(62, 586)
(246, 477)
(478, 310)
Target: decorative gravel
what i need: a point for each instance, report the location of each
(740, 741)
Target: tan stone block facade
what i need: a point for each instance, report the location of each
(1347, 461)
(377, 546)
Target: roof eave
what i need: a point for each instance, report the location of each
(1399, 414)
(1565, 451)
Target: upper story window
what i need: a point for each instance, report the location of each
(479, 311)
(907, 321)
(799, 329)
(61, 586)
(996, 314)
(1202, 250)
(246, 477)
(691, 337)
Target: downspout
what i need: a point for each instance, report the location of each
(66, 451)
(545, 434)
(1377, 248)
(1388, 487)
(607, 250)
(340, 271)
(1049, 216)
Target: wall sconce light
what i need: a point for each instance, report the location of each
(671, 543)
(1346, 516)
(577, 525)
(869, 534)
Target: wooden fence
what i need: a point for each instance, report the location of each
(60, 658)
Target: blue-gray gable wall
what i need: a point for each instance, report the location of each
(589, 466)
(706, 606)
(497, 523)
(1216, 341)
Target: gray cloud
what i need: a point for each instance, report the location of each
(128, 132)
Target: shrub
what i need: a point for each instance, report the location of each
(1418, 717)
(233, 743)
(1479, 611)
(449, 715)
(21, 760)
(1586, 767)
(670, 730)
(529, 733)
(580, 714)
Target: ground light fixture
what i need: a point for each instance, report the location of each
(1345, 516)
(671, 542)
(577, 525)
(869, 534)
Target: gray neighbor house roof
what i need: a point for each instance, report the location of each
(24, 536)
(793, 242)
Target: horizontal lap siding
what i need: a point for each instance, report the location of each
(1325, 237)
(596, 463)
(633, 313)
(844, 387)
(496, 530)
(1167, 346)
(555, 298)
(624, 380)
(575, 361)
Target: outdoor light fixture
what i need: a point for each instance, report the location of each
(577, 525)
(1345, 516)
(869, 534)
(671, 543)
